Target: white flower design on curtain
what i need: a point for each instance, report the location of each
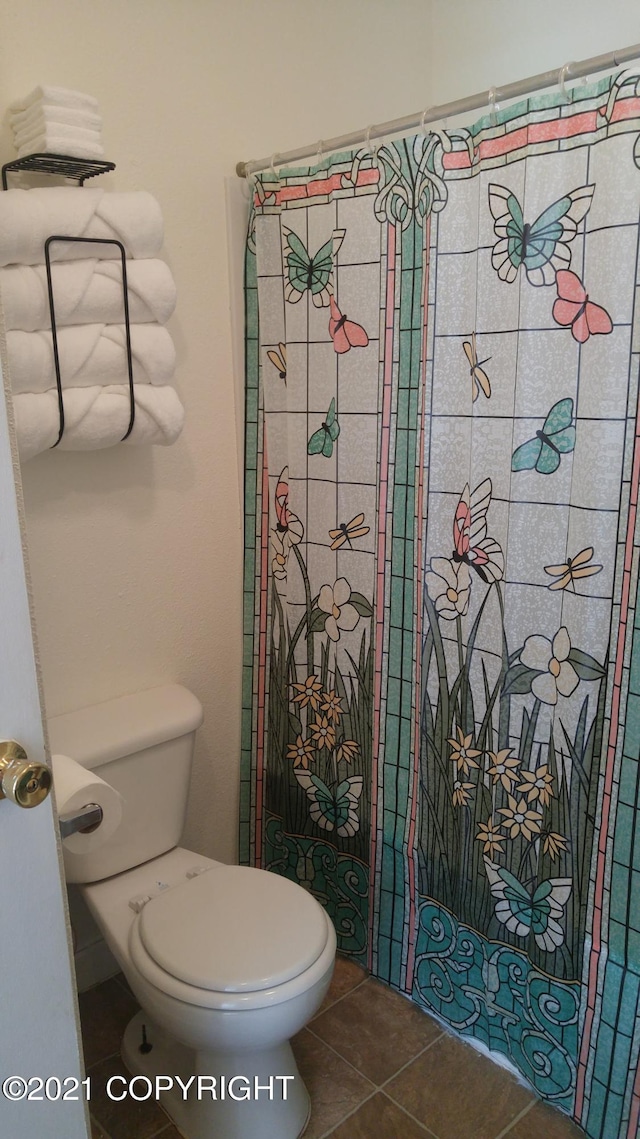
(550, 658)
(448, 586)
(334, 600)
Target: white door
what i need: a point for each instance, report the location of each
(41, 1094)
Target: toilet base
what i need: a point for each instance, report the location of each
(273, 1108)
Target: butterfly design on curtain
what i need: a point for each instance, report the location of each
(524, 913)
(479, 378)
(542, 246)
(310, 273)
(572, 569)
(574, 309)
(345, 333)
(333, 808)
(557, 437)
(471, 542)
(322, 440)
(279, 360)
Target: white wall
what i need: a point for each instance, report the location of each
(136, 554)
(480, 44)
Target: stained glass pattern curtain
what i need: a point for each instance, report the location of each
(442, 648)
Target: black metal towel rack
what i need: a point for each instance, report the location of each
(79, 170)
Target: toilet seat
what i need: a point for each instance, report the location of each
(231, 938)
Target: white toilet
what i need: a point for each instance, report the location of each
(227, 962)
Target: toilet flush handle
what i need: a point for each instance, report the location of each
(25, 783)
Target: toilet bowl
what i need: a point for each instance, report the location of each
(227, 962)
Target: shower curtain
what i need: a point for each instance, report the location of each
(442, 652)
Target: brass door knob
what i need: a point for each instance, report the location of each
(25, 783)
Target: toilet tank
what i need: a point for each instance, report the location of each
(143, 746)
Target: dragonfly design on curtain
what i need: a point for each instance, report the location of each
(442, 653)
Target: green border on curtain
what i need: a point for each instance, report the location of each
(253, 430)
(400, 716)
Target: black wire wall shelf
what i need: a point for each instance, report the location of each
(78, 169)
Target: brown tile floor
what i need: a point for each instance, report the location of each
(376, 1067)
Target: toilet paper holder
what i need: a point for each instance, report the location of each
(84, 821)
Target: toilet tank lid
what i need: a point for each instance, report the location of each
(104, 732)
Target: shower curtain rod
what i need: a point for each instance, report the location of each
(446, 110)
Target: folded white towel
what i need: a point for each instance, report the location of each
(86, 292)
(90, 354)
(29, 217)
(85, 135)
(44, 114)
(70, 147)
(55, 96)
(97, 417)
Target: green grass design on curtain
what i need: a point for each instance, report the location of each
(452, 856)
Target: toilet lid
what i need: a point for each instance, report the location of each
(234, 929)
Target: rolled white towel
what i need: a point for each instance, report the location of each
(55, 96)
(85, 135)
(97, 417)
(86, 292)
(69, 147)
(44, 114)
(90, 354)
(29, 217)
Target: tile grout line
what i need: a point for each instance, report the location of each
(510, 1126)
(93, 1119)
(376, 1087)
(124, 986)
(170, 1122)
(422, 1051)
(340, 1057)
(429, 1134)
(164, 1129)
(427, 1130)
(103, 1060)
(367, 1078)
(337, 1001)
(397, 1102)
(326, 1134)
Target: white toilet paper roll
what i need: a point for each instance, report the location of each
(75, 787)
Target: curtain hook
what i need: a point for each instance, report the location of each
(373, 150)
(423, 122)
(562, 78)
(493, 106)
(320, 152)
(272, 166)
